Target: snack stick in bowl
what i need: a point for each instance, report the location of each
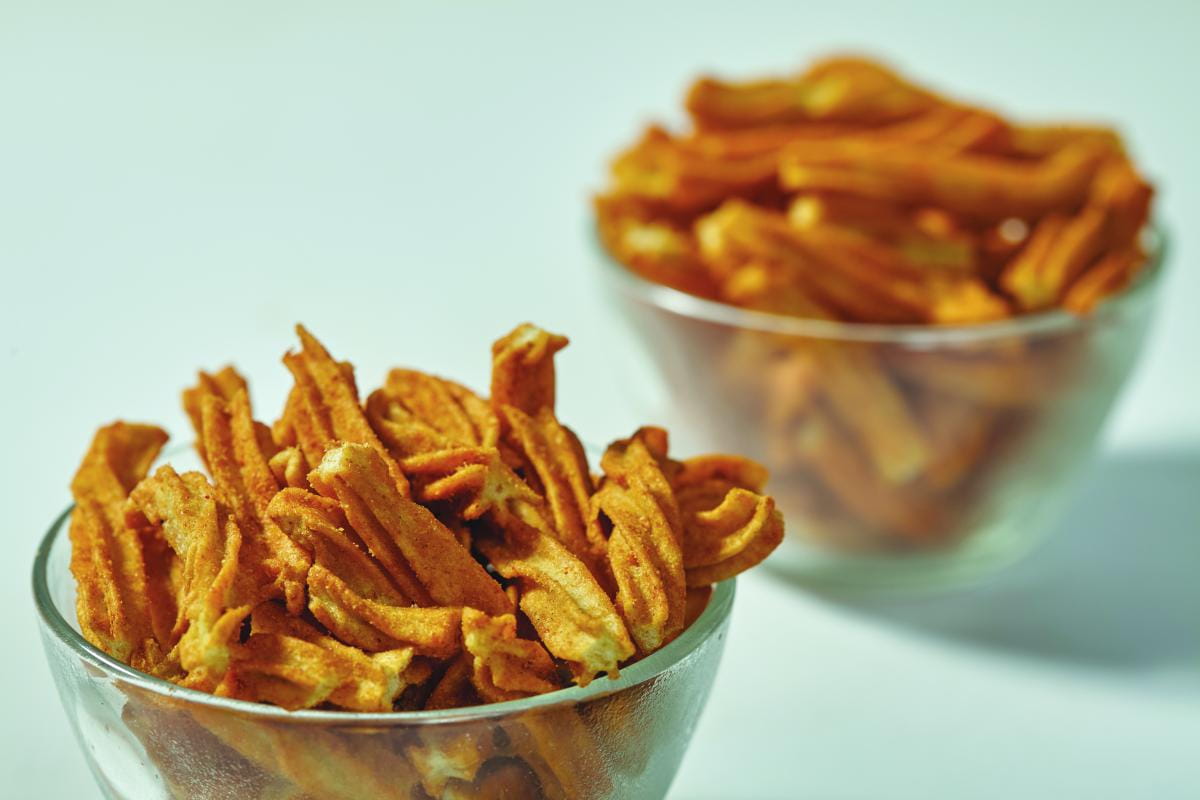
(327, 410)
(350, 593)
(505, 667)
(214, 598)
(523, 368)
(645, 549)
(290, 663)
(556, 456)
(572, 614)
(122, 608)
(841, 89)
(420, 553)
(442, 757)
(232, 446)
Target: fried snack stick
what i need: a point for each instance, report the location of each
(661, 170)
(571, 612)
(980, 186)
(645, 546)
(224, 384)
(843, 89)
(659, 250)
(959, 433)
(897, 512)
(998, 380)
(441, 757)
(419, 553)
(417, 413)
(289, 468)
(233, 447)
(289, 663)
(728, 526)
(523, 368)
(561, 750)
(213, 598)
(502, 778)
(1110, 275)
(324, 763)
(454, 687)
(738, 232)
(730, 538)
(916, 245)
(324, 410)
(873, 408)
(122, 609)
(1062, 248)
(350, 593)
(556, 456)
(505, 667)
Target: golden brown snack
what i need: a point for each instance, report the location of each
(235, 449)
(420, 554)
(645, 548)
(214, 598)
(505, 667)
(730, 538)
(574, 618)
(288, 662)
(844, 89)
(554, 453)
(324, 406)
(122, 608)
(523, 368)
(416, 413)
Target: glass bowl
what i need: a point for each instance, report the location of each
(145, 738)
(902, 456)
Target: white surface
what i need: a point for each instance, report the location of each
(177, 187)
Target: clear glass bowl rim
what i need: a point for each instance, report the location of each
(709, 621)
(1044, 322)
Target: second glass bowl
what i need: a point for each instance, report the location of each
(902, 456)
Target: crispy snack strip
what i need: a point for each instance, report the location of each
(523, 368)
(645, 546)
(213, 598)
(350, 593)
(325, 408)
(233, 448)
(979, 186)
(728, 526)
(415, 412)
(288, 662)
(419, 553)
(570, 610)
(557, 457)
(505, 667)
(897, 511)
(454, 688)
(122, 609)
(443, 757)
(858, 285)
(320, 762)
(843, 89)
(573, 616)
(498, 779)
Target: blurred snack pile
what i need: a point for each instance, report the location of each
(847, 194)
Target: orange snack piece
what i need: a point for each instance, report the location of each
(122, 608)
